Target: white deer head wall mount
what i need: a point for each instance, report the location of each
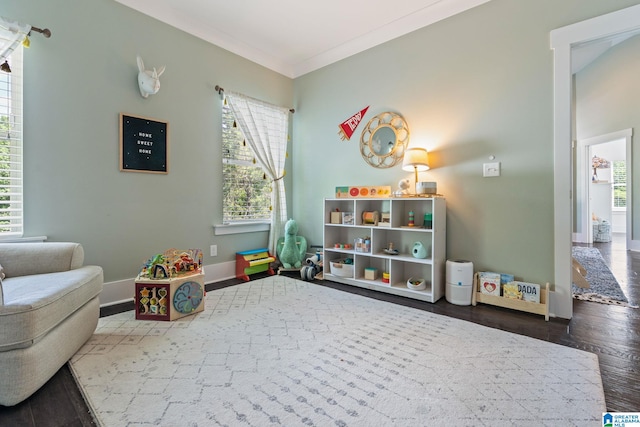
(148, 80)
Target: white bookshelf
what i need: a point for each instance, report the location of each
(404, 265)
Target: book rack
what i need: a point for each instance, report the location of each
(541, 308)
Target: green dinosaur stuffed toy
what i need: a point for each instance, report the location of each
(291, 248)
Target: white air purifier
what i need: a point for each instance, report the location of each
(459, 276)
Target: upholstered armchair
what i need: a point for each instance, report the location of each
(49, 308)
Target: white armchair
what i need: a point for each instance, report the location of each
(49, 308)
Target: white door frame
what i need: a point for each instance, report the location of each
(562, 39)
(583, 178)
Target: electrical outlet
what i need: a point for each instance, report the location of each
(213, 250)
(491, 169)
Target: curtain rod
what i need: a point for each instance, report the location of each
(220, 90)
(46, 32)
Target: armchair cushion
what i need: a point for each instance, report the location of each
(35, 304)
(44, 283)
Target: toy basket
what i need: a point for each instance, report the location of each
(339, 268)
(602, 231)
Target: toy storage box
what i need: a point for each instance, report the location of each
(169, 299)
(338, 268)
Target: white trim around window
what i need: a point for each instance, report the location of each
(240, 227)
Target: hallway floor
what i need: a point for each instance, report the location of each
(624, 265)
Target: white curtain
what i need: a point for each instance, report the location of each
(265, 127)
(11, 35)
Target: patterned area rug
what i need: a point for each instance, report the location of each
(280, 351)
(604, 288)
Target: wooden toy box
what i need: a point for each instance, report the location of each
(169, 299)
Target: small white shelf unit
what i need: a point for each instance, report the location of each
(404, 265)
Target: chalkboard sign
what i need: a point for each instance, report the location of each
(143, 145)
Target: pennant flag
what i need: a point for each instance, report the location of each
(349, 126)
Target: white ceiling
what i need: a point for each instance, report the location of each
(295, 37)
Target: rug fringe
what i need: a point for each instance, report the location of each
(593, 297)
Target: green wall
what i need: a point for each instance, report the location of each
(475, 85)
(76, 84)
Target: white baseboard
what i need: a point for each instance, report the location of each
(122, 291)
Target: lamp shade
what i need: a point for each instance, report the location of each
(415, 159)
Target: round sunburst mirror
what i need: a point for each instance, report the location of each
(384, 140)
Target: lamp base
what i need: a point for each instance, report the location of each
(426, 187)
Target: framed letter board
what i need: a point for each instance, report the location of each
(144, 144)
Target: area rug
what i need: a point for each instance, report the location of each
(604, 288)
(284, 352)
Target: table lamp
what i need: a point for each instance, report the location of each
(417, 160)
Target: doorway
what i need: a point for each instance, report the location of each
(562, 41)
(602, 184)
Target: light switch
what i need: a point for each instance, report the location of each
(491, 169)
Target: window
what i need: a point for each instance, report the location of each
(11, 223)
(246, 190)
(619, 185)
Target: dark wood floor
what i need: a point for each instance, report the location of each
(611, 332)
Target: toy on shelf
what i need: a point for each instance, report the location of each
(252, 262)
(385, 219)
(403, 188)
(291, 248)
(368, 192)
(416, 284)
(170, 285)
(390, 250)
(419, 251)
(370, 217)
(428, 220)
(362, 244)
(343, 246)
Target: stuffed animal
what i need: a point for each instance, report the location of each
(291, 248)
(403, 187)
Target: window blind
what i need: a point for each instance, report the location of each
(11, 200)
(246, 191)
(619, 184)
